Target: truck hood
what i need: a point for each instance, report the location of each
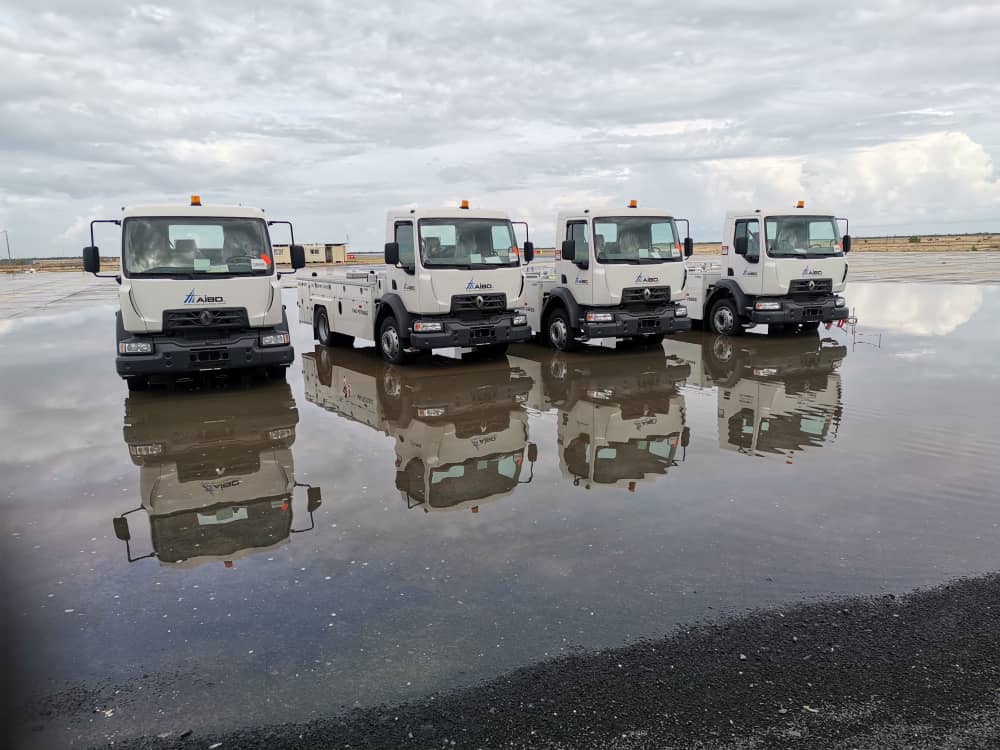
(446, 283)
(788, 270)
(618, 277)
(149, 298)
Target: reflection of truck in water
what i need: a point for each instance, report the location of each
(775, 396)
(461, 433)
(620, 420)
(215, 473)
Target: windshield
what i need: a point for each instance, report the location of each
(467, 243)
(194, 246)
(802, 237)
(636, 239)
(474, 479)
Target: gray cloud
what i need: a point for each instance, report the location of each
(330, 113)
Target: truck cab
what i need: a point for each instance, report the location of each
(784, 268)
(460, 435)
(198, 291)
(619, 274)
(216, 475)
(620, 420)
(775, 397)
(452, 278)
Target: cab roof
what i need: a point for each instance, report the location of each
(181, 209)
(786, 211)
(452, 212)
(600, 211)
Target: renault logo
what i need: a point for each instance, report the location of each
(646, 294)
(206, 317)
(480, 301)
(811, 285)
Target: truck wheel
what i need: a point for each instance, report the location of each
(491, 351)
(390, 342)
(725, 319)
(137, 383)
(561, 332)
(325, 336)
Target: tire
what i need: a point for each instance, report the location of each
(559, 331)
(137, 383)
(492, 351)
(324, 335)
(390, 341)
(724, 318)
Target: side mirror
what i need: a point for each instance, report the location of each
(740, 246)
(688, 247)
(529, 251)
(298, 254)
(532, 452)
(392, 253)
(121, 528)
(685, 437)
(314, 498)
(569, 250)
(846, 240)
(91, 260)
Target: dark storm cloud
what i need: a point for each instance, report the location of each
(329, 112)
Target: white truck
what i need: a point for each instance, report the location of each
(460, 437)
(784, 268)
(198, 291)
(775, 397)
(216, 475)
(620, 420)
(452, 279)
(619, 274)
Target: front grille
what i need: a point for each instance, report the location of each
(820, 286)
(181, 322)
(470, 303)
(481, 424)
(658, 295)
(209, 356)
(482, 335)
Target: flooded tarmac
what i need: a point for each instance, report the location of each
(232, 555)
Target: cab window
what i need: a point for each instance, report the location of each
(404, 237)
(749, 228)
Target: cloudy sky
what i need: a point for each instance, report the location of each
(330, 113)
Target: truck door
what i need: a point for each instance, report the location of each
(747, 269)
(579, 280)
(404, 283)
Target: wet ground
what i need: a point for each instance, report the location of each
(542, 551)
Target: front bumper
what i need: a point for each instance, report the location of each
(470, 332)
(629, 323)
(792, 311)
(179, 356)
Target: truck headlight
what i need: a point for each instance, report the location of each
(428, 326)
(841, 302)
(770, 305)
(520, 320)
(274, 339)
(432, 412)
(135, 347)
(281, 434)
(600, 317)
(680, 311)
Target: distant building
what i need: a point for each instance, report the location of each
(317, 252)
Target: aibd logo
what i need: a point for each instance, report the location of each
(202, 299)
(640, 279)
(473, 285)
(807, 271)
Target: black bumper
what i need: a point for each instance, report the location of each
(180, 356)
(818, 311)
(465, 333)
(629, 323)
